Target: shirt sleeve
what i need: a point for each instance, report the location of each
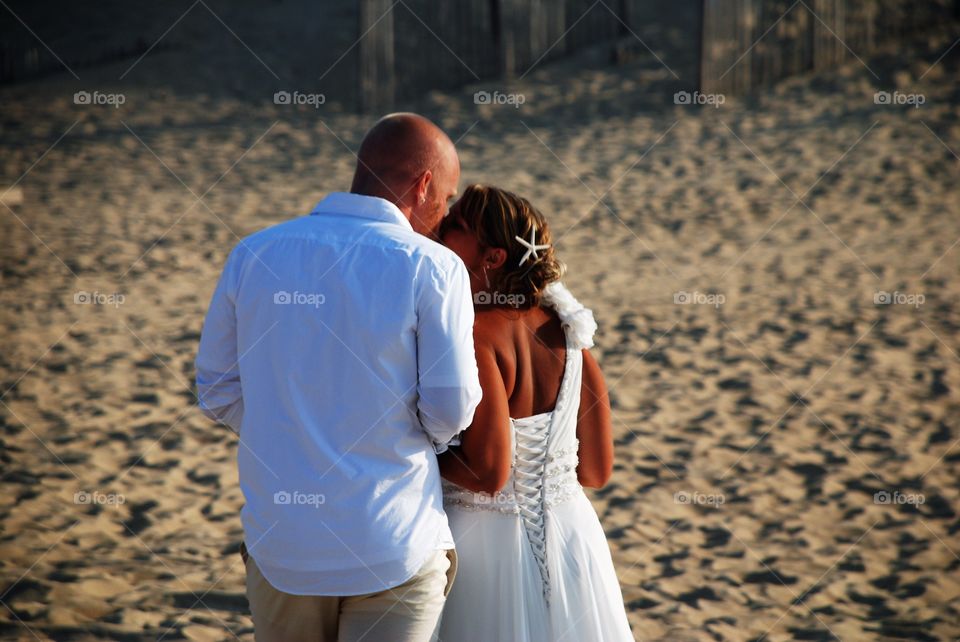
(448, 382)
(219, 393)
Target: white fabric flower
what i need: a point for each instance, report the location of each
(577, 320)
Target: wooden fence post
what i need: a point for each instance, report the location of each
(624, 24)
(538, 12)
(378, 82)
(496, 34)
(512, 34)
(701, 49)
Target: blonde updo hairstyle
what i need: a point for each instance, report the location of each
(498, 217)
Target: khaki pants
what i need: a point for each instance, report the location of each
(406, 613)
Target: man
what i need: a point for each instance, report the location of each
(339, 347)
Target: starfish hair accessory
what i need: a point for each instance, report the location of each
(532, 247)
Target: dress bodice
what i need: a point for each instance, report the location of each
(544, 446)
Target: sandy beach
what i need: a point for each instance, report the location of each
(775, 280)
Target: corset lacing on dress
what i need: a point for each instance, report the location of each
(537, 481)
(541, 476)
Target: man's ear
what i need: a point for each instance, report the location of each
(494, 257)
(421, 187)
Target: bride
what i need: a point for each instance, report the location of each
(533, 559)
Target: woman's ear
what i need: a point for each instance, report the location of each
(494, 258)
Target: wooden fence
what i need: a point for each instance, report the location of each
(416, 45)
(408, 47)
(750, 43)
(27, 60)
(40, 38)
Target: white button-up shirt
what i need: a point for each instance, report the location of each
(339, 346)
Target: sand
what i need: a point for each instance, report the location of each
(753, 426)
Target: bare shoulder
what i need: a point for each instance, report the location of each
(489, 326)
(491, 329)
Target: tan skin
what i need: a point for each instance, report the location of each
(409, 161)
(520, 356)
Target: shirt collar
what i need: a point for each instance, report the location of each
(348, 204)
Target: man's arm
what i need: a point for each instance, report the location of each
(217, 364)
(448, 383)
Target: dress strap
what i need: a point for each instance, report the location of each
(579, 327)
(578, 322)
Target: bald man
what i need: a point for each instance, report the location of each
(339, 347)
(407, 160)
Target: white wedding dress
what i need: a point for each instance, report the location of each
(534, 565)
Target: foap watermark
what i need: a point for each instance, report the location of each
(698, 98)
(84, 497)
(282, 297)
(882, 297)
(898, 98)
(697, 498)
(498, 499)
(83, 297)
(298, 98)
(99, 98)
(682, 297)
(497, 98)
(297, 498)
(896, 498)
(499, 298)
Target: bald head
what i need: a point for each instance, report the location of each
(412, 163)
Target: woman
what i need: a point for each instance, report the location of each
(534, 562)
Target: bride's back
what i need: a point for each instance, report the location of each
(531, 353)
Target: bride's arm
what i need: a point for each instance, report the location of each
(482, 462)
(593, 427)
